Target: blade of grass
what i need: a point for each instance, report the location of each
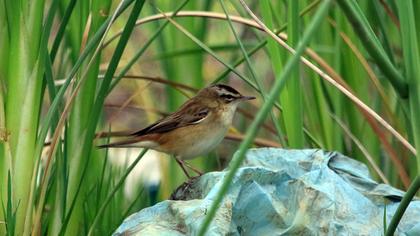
(132, 205)
(8, 212)
(61, 29)
(291, 98)
(118, 186)
(102, 176)
(354, 14)
(262, 113)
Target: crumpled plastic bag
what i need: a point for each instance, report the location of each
(281, 192)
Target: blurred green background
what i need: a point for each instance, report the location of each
(72, 72)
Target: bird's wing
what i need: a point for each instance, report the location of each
(189, 115)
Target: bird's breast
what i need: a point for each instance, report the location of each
(194, 141)
(205, 141)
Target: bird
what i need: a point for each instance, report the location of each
(195, 129)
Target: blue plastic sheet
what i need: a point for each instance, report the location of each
(282, 192)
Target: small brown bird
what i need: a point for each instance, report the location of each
(195, 129)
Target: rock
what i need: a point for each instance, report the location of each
(281, 192)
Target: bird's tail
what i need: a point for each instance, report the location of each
(119, 144)
(141, 141)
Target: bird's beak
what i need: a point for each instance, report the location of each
(244, 98)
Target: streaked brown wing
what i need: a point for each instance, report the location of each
(188, 116)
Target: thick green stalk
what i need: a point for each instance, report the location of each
(291, 98)
(5, 159)
(262, 113)
(273, 51)
(4, 47)
(5, 162)
(335, 136)
(23, 96)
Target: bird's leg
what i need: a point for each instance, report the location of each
(181, 163)
(193, 169)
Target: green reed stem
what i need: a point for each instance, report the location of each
(408, 196)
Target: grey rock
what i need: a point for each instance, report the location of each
(281, 192)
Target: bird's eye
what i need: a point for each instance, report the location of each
(227, 97)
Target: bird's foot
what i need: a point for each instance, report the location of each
(184, 164)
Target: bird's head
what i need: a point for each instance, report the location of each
(224, 95)
(223, 100)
